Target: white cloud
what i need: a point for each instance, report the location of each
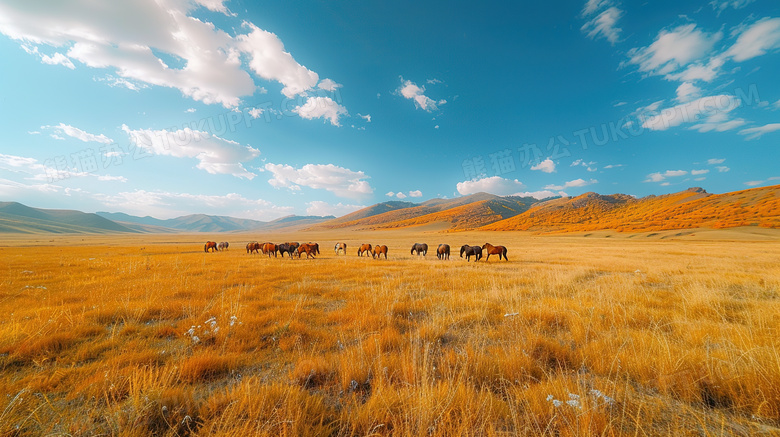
(366, 117)
(112, 178)
(721, 5)
(58, 59)
(687, 92)
(160, 43)
(719, 123)
(713, 161)
(660, 177)
(79, 134)
(190, 110)
(711, 109)
(673, 50)
(390, 194)
(722, 169)
(756, 132)
(415, 193)
(400, 195)
(546, 166)
(493, 185)
(214, 154)
(542, 194)
(321, 107)
(256, 112)
(699, 172)
(328, 85)
(340, 181)
(410, 90)
(576, 183)
(591, 6)
(321, 208)
(613, 166)
(753, 183)
(604, 25)
(758, 39)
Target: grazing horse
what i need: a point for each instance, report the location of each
(342, 247)
(268, 249)
(494, 250)
(287, 248)
(420, 248)
(310, 249)
(379, 251)
(476, 251)
(223, 245)
(316, 247)
(210, 245)
(364, 248)
(253, 247)
(443, 251)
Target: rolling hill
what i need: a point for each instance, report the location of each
(466, 212)
(211, 223)
(18, 218)
(692, 208)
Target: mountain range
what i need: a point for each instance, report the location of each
(692, 208)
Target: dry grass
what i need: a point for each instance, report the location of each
(574, 336)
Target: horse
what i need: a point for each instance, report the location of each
(494, 250)
(364, 248)
(443, 251)
(379, 251)
(210, 245)
(269, 248)
(420, 248)
(316, 247)
(223, 245)
(342, 247)
(253, 247)
(310, 249)
(287, 248)
(476, 251)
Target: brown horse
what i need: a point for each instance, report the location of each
(310, 249)
(342, 247)
(443, 251)
(268, 249)
(494, 250)
(253, 247)
(210, 245)
(476, 251)
(379, 251)
(364, 248)
(223, 245)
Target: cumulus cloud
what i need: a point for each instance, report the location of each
(493, 185)
(753, 133)
(415, 193)
(756, 40)
(321, 208)
(576, 183)
(214, 154)
(340, 181)
(546, 166)
(74, 132)
(661, 177)
(410, 90)
(673, 50)
(328, 85)
(321, 107)
(401, 195)
(160, 43)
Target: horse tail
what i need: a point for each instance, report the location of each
(505, 258)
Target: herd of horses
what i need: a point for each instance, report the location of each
(292, 249)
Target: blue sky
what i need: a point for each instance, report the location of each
(265, 109)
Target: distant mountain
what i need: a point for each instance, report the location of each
(18, 218)
(460, 213)
(212, 223)
(692, 208)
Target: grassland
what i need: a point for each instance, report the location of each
(574, 336)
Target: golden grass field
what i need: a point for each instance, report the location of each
(575, 335)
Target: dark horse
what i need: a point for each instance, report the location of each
(342, 247)
(364, 248)
(443, 251)
(210, 245)
(379, 251)
(471, 250)
(494, 250)
(420, 248)
(286, 248)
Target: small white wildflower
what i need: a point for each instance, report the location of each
(233, 320)
(195, 339)
(557, 403)
(549, 398)
(574, 403)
